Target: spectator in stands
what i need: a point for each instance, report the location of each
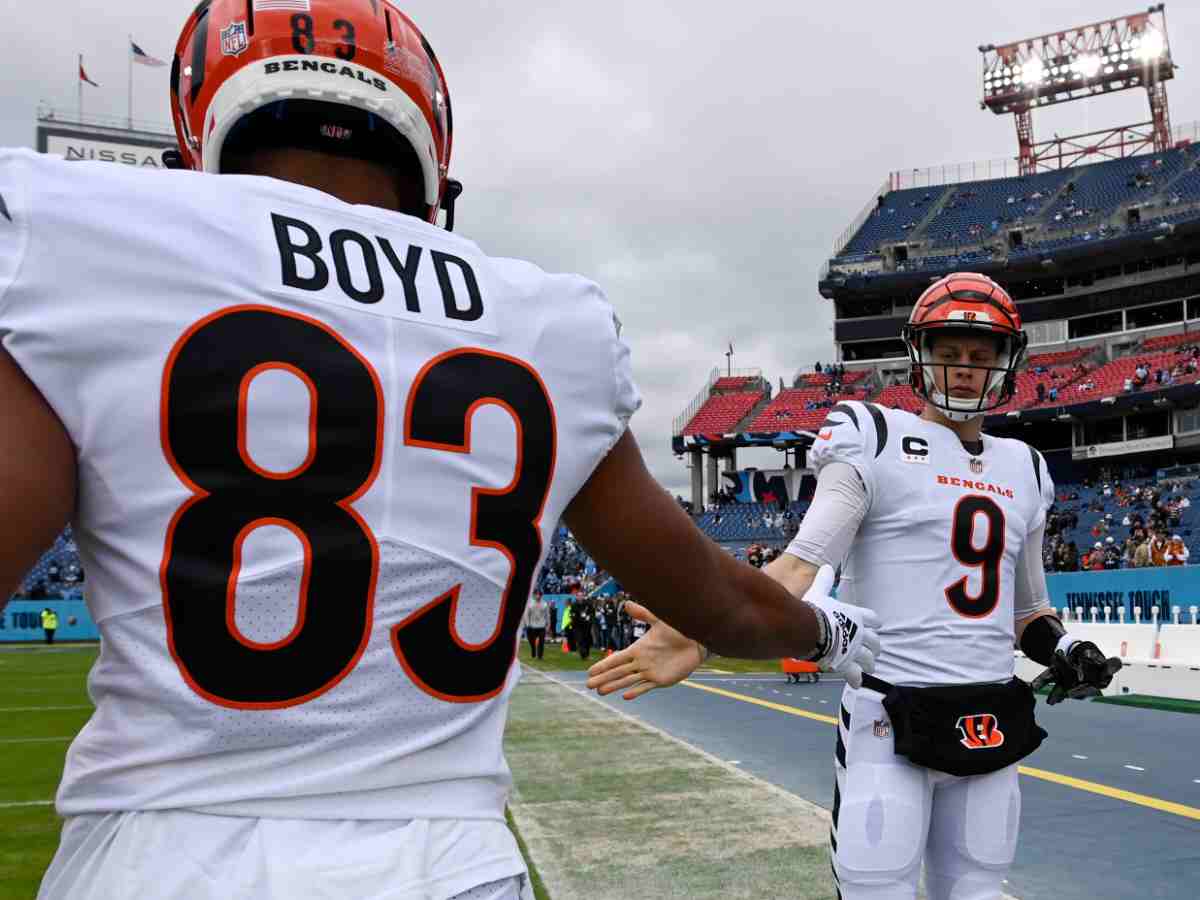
(817, 367)
(1140, 375)
(1071, 564)
(1053, 393)
(1112, 554)
(1095, 559)
(1129, 553)
(1158, 549)
(1041, 392)
(1050, 555)
(1177, 552)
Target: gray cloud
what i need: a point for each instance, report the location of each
(697, 160)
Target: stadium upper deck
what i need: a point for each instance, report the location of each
(994, 220)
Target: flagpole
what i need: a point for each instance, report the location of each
(79, 79)
(129, 51)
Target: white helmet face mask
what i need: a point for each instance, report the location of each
(961, 409)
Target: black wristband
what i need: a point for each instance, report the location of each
(823, 634)
(1041, 637)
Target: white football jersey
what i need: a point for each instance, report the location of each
(936, 554)
(322, 450)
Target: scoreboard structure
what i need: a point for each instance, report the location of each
(102, 138)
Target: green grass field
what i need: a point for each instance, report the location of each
(43, 703)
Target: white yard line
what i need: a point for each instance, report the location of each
(7, 709)
(27, 803)
(1135, 768)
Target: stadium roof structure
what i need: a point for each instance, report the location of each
(1131, 51)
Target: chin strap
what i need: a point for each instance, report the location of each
(454, 189)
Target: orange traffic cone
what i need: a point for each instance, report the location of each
(566, 647)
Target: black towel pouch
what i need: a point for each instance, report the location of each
(968, 729)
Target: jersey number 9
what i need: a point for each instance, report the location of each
(986, 557)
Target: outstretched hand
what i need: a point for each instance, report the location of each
(659, 658)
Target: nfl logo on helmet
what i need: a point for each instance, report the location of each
(233, 39)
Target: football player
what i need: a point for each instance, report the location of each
(939, 530)
(313, 448)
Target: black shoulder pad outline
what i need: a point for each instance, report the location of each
(1037, 469)
(881, 430)
(842, 408)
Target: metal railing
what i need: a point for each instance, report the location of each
(705, 392)
(845, 237)
(50, 116)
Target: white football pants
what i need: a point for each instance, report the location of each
(889, 815)
(184, 855)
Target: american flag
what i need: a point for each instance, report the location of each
(141, 57)
(289, 5)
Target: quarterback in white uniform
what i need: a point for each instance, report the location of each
(313, 448)
(938, 529)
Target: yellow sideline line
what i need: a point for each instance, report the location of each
(778, 707)
(1080, 784)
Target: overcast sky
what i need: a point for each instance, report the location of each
(698, 160)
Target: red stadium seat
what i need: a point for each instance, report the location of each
(721, 412)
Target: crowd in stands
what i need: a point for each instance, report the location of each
(1121, 524)
(1185, 364)
(567, 568)
(1053, 209)
(58, 575)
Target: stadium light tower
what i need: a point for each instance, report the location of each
(1115, 55)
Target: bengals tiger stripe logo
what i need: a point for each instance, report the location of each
(980, 732)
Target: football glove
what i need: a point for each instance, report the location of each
(849, 634)
(1079, 673)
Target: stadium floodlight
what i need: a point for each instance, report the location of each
(1114, 55)
(1150, 47)
(1118, 54)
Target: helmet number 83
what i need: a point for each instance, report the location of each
(204, 396)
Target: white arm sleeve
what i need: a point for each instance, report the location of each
(1029, 591)
(829, 526)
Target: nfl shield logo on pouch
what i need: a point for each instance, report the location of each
(233, 39)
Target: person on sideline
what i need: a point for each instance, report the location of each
(939, 529)
(252, 386)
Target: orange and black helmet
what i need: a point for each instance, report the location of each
(965, 302)
(350, 77)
